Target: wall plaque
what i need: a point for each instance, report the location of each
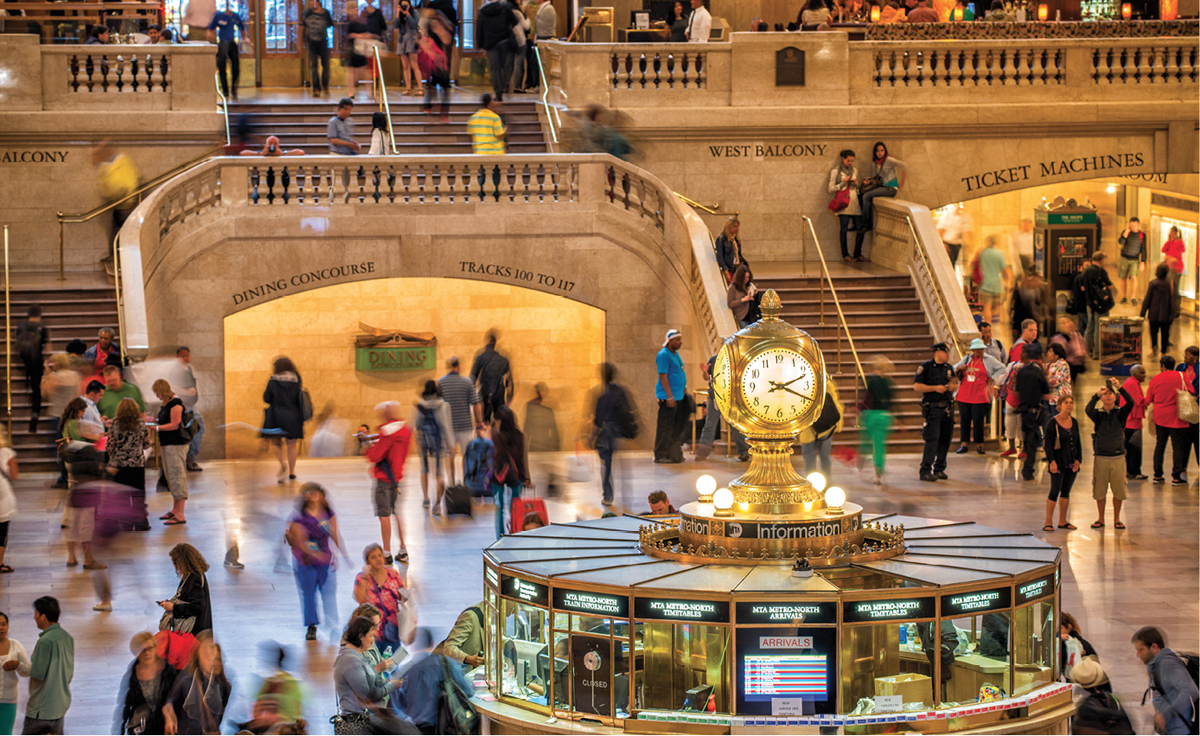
(789, 67)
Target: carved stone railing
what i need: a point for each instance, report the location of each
(906, 239)
(108, 78)
(741, 73)
(598, 187)
(1105, 29)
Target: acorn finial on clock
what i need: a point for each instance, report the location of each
(771, 306)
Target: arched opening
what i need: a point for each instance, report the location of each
(548, 339)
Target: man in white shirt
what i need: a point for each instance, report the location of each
(699, 23)
(92, 394)
(1021, 246)
(954, 227)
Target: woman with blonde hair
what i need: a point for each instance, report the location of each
(144, 690)
(729, 249)
(174, 449)
(128, 440)
(875, 414)
(8, 499)
(190, 607)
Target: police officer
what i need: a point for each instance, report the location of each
(936, 382)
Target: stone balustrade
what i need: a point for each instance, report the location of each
(107, 78)
(836, 71)
(610, 195)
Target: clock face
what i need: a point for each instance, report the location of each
(722, 376)
(778, 385)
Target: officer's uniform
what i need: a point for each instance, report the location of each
(937, 409)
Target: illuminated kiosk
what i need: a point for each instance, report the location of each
(774, 602)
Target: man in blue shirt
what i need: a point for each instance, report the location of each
(225, 27)
(670, 390)
(340, 131)
(423, 683)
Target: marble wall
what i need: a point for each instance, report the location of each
(547, 339)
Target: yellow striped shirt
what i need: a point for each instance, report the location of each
(486, 129)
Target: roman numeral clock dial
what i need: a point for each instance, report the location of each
(778, 385)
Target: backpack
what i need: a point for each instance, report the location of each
(477, 463)
(831, 414)
(1077, 300)
(29, 342)
(1099, 296)
(431, 429)
(1100, 712)
(306, 408)
(455, 714)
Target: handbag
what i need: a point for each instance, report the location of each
(841, 200)
(1185, 404)
(366, 46)
(872, 182)
(352, 723)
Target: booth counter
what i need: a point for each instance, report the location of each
(589, 629)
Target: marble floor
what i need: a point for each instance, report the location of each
(1114, 581)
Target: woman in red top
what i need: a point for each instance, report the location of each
(1133, 425)
(974, 396)
(1161, 396)
(1173, 251)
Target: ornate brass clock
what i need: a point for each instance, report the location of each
(769, 382)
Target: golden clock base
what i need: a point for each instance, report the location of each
(771, 484)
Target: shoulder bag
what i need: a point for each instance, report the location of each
(455, 714)
(1186, 407)
(841, 200)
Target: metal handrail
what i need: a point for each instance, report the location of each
(711, 209)
(224, 106)
(933, 285)
(92, 214)
(120, 304)
(841, 315)
(8, 343)
(545, 102)
(384, 106)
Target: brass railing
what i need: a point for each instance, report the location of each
(550, 114)
(116, 250)
(384, 106)
(224, 106)
(936, 289)
(8, 356)
(93, 214)
(712, 209)
(826, 278)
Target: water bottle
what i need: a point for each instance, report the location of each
(903, 635)
(387, 654)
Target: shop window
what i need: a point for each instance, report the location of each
(979, 668)
(891, 659)
(681, 667)
(1035, 646)
(1160, 234)
(525, 652)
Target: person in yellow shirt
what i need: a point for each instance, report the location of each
(487, 127)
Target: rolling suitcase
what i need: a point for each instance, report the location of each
(458, 500)
(522, 507)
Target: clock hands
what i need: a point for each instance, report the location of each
(777, 386)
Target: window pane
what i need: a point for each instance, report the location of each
(678, 658)
(525, 655)
(1035, 645)
(888, 659)
(980, 659)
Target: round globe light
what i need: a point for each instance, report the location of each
(835, 497)
(705, 485)
(723, 499)
(818, 481)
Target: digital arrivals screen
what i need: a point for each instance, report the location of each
(786, 670)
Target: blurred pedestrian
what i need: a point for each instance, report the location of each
(466, 410)
(144, 689)
(876, 414)
(435, 54)
(712, 417)
(816, 440)
(997, 274)
(492, 372)
(1158, 308)
(431, 418)
(317, 21)
(8, 498)
(1173, 252)
(510, 473)
(191, 606)
(174, 444)
(197, 701)
(311, 529)
(486, 126)
(1033, 393)
(956, 229)
(1098, 287)
(32, 338)
(283, 421)
(429, 676)
(541, 429)
(128, 441)
(60, 386)
(184, 381)
(279, 704)
(227, 29)
(1064, 449)
(1162, 397)
(14, 663)
(387, 455)
(1133, 425)
(612, 420)
(1069, 337)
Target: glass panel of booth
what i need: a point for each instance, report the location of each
(889, 648)
(1035, 634)
(524, 665)
(977, 625)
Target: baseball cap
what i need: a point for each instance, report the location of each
(940, 346)
(670, 334)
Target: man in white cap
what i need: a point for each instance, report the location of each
(670, 390)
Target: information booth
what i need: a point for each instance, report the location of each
(773, 601)
(588, 628)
